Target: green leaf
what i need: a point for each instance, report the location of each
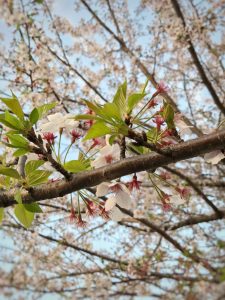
(33, 207)
(120, 99)
(5, 182)
(168, 115)
(38, 177)
(152, 134)
(92, 106)
(222, 274)
(145, 85)
(14, 105)
(24, 216)
(136, 149)
(76, 166)
(14, 121)
(18, 197)
(110, 110)
(124, 88)
(7, 124)
(20, 152)
(33, 165)
(86, 117)
(97, 129)
(34, 116)
(1, 214)
(10, 121)
(18, 141)
(133, 100)
(112, 139)
(9, 172)
(43, 109)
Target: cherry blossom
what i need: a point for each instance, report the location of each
(159, 121)
(58, 121)
(181, 125)
(214, 157)
(152, 103)
(49, 137)
(75, 135)
(134, 184)
(120, 194)
(108, 155)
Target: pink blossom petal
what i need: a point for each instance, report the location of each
(214, 157)
(116, 215)
(102, 189)
(110, 203)
(123, 199)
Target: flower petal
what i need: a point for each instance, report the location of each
(214, 157)
(102, 189)
(177, 200)
(110, 203)
(98, 162)
(55, 117)
(123, 199)
(116, 215)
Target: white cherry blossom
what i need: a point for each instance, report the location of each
(214, 157)
(57, 121)
(108, 155)
(181, 125)
(116, 215)
(177, 200)
(119, 194)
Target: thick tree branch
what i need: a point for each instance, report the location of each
(124, 167)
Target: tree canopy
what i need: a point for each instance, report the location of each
(112, 149)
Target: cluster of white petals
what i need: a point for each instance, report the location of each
(119, 194)
(108, 155)
(57, 121)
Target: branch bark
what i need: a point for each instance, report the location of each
(152, 161)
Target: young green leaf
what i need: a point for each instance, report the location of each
(120, 98)
(20, 152)
(18, 141)
(38, 177)
(7, 123)
(168, 115)
(92, 106)
(110, 111)
(33, 165)
(9, 172)
(14, 105)
(24, 216)
(133, 100)
(33, 207)
(86, 117)
(75, 166)
(18, 197)
(97, 129)
(34, 116)
(43, 109)
(14, 121)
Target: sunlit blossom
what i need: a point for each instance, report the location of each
(58, 121)
(108, 155)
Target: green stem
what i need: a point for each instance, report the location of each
(67, 151)
(60, 137)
